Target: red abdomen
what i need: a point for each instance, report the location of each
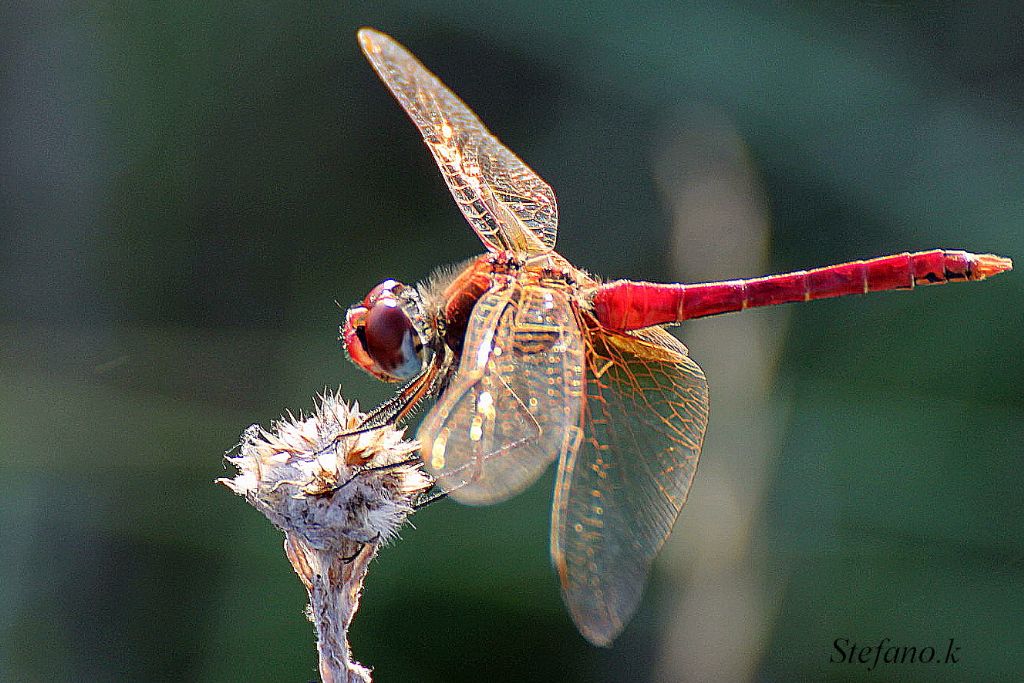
(626, 305)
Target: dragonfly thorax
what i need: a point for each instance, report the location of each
(386, 333)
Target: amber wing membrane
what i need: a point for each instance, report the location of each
(507, 204)
(618, 496)
(515, 402)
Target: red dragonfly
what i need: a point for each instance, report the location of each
(533, 360)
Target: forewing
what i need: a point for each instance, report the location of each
(617, 498)
(507, 204)
(514, 405)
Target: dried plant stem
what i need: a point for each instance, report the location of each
(334, 585)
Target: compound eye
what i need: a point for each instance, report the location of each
(391, 341)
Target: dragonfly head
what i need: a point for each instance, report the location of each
(385, 333)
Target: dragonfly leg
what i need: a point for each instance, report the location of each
(363, 428)
(376, 468)
(428, 498)
(472, 472)
(402, 403)
(348, 559)
(394, 409)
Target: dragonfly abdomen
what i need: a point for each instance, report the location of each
(626, 305)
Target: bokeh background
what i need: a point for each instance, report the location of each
(187, 189)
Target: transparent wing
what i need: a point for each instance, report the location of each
(618, 496)
(508, 205)
(514, 405)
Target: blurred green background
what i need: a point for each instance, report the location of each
(187, 188)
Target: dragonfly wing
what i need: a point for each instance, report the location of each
(514, 405)
(618, 496)
(508, 205)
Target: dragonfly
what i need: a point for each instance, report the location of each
(532, 360)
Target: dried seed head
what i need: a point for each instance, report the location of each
(325, 489)
(336, 498)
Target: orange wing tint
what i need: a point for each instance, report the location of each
(514, 405)
(508, 205)
(617, 498)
